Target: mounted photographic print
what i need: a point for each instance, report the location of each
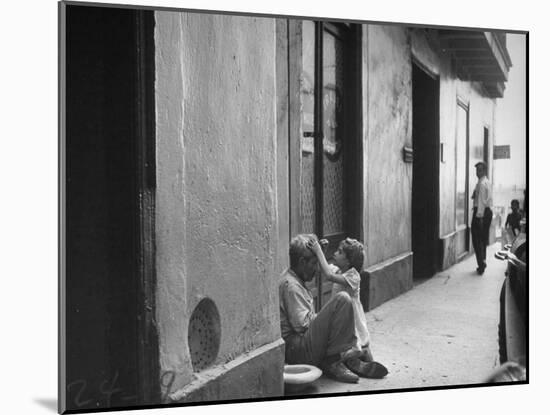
(258, 207)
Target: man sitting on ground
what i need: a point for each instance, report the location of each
(326, 339)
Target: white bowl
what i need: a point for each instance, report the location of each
(298, 377)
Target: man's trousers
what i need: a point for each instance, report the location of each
(480, 236)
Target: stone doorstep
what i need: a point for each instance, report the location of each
(386, 280)
(255, 374)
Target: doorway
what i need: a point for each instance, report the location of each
(425, 187)
(109, 350)
(325, 108)
(486, 149)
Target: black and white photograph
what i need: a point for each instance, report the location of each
(285, 210)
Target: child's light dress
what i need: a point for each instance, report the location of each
(352, 287)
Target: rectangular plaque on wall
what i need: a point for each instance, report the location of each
(501, 152)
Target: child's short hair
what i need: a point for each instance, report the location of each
(515, 202)
(355, 252)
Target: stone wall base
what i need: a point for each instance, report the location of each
(256, 374)
(386, 280)
(449, 248)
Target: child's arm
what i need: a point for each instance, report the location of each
(325, 267)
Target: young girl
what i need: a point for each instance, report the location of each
(348, 261)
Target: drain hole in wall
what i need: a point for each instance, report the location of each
(204, 335)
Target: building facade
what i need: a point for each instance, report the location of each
(271, 127)
(251, 130)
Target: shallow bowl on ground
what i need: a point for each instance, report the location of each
(298, 377)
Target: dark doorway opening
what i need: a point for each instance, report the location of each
(109, 349)
(425, 188)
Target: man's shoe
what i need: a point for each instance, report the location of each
(339, 372)
(372, 370)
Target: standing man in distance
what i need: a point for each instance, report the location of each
(481, 221)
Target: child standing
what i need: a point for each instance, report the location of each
(512, 224)
(348, 260)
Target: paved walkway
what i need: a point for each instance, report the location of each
(442, 332)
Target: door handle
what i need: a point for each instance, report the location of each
(313, 134)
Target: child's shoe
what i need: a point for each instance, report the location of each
(372, 370)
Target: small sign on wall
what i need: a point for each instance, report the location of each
(501, 152)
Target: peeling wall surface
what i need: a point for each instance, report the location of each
(216, 214)
(389, 113)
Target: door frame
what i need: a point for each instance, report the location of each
(436, 153)
(465, 105)
(148, 346)
(353, 119)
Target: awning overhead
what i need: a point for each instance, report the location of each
(479, 57)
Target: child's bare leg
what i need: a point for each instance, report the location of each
(366, 355)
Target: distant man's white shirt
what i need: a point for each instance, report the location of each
(483, 196)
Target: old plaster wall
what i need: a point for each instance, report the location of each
(216, 212)
(447, 136)
(482, 114)
(387, 128)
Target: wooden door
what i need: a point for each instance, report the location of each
(324, 163)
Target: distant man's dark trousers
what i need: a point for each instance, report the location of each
(480, 236)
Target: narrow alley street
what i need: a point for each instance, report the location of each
(442, 332)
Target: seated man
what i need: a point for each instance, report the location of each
(326, 339)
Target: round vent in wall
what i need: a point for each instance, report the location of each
(204, 335)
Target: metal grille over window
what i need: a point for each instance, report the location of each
(204, 335)
(333, 163)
